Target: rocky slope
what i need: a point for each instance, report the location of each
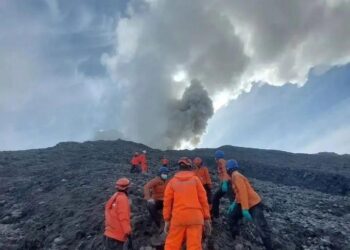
(53, 198)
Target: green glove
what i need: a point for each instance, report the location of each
(224, 186)
(231, 208)
(247, 215)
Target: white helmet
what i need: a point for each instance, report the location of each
(144, 151)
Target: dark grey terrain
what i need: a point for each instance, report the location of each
(53, 198)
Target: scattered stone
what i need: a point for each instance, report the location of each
(59, 240)
(16, 214)
(61, 214)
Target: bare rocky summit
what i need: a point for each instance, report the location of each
(53, 198)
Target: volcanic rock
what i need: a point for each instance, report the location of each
(54, 198)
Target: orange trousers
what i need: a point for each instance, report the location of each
(178, 234)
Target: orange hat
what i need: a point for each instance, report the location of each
(122, 183)
(197, 161)
(165, 161)
(185, 160)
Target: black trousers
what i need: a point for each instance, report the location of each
(259, 220)
(135, 169)
(209, 195)
(155, 210)
(217, 197)
(112, 244)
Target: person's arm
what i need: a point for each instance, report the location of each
(123, 215)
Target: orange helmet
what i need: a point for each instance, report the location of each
(197, 161)
(165, 161)
(185, 160)
(122, 183)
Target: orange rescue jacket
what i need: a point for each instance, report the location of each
(155, 189)
(203, 174)
(185, 200)
(245, 194)
(143, 162)
(222, 172)
(117, 217)
(135, 160)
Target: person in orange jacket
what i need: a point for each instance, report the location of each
(135, 163)
(143, 162)
(247, 204)
(117, 217)
(202, 173)
(185, 210)
(154, 194)
(224, 184)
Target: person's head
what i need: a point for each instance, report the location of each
(219, 154)
(197, 162)
(165, 162)
(231, 166)
(163, 173)
(144, 151)
(136, 153)
(122, 184)
(185, 163)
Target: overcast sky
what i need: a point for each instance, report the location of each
(176, 73)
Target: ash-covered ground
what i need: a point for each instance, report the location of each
(54, 198)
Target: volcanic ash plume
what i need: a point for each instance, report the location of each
(189, 116)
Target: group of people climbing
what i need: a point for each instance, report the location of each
(182, 207)
(139, 163)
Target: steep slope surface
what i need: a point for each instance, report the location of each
(53, 198)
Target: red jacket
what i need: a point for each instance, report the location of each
(185, 200)
(117, 217)
(135, 160)
(143, 162)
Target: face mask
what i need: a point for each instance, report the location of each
(164, 176)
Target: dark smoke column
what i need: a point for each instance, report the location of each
(189, 116)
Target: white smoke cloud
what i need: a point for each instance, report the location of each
(51, 72)
(226, 45)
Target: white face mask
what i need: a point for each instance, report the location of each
(164, 176)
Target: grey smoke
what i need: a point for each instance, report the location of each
(188, 116)
(226, 45)
(71, 68)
